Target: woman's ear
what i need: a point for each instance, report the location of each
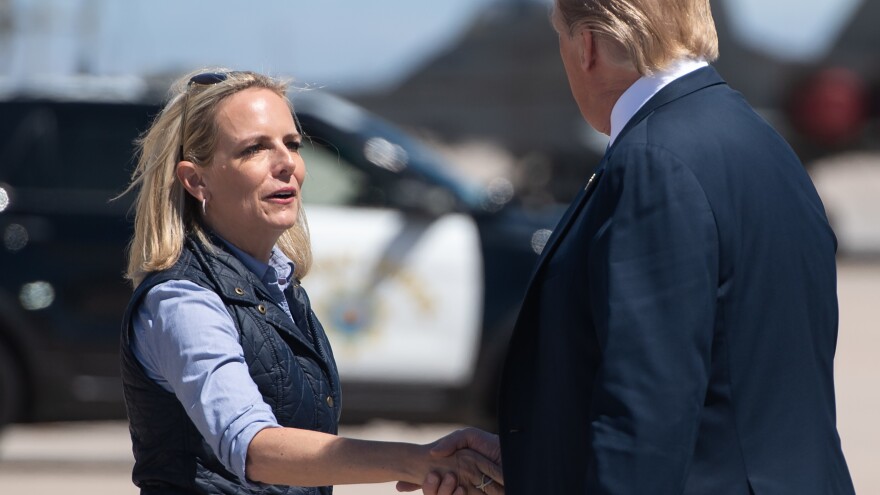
(192, 178)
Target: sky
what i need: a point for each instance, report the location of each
(338, 44)
(791, 29)
(328, 42)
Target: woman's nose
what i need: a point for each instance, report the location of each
(285, 160)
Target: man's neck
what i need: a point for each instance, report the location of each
(608, 95)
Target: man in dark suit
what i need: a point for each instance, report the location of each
(679, 331)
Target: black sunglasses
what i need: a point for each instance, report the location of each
(203, 79)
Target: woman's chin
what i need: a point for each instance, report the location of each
(285, 224)
(284, 219)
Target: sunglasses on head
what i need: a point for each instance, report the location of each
(203, 79)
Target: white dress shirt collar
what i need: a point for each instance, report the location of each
(646, 87)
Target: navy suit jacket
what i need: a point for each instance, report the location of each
(678, 334)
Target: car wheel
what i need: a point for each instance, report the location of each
(10, 387)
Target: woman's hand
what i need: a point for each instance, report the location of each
(477, 474)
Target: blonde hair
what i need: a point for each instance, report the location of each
(165, 213)
(649, 33)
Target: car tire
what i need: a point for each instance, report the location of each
(10, 387)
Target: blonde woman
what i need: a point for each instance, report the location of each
(229, 379)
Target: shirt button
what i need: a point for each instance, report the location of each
(330, 400)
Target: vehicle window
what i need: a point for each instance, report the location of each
(71, 147)
(330, 179)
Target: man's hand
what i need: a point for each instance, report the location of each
(483, 442)
(475, 439)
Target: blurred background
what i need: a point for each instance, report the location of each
(437, 127)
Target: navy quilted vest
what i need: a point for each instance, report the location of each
(291, 364)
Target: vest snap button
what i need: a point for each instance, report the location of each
(261, 308)
(330, 400)
(239, 291)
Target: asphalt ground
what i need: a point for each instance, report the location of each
(95, 458)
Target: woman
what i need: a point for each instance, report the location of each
(229, 380)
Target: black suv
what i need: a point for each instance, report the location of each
(62, 257)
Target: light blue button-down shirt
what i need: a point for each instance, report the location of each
(188, 344)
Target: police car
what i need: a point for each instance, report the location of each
(417, 275)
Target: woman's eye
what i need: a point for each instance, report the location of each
(294, 145)
(252, 150)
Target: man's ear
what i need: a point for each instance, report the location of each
(192, 178)
(587, 48)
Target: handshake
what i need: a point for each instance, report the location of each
(465, 462)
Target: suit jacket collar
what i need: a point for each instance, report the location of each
(683, 86)
(641, 91)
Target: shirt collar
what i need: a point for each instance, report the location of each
(279, 270)
(646, 87)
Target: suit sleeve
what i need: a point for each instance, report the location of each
(654, 276)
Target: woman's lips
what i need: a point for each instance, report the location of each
(285, 195)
